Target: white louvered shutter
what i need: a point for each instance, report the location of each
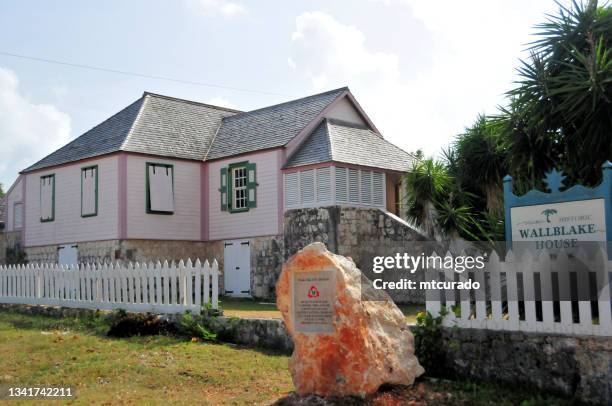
(292, 193)
(378, 193)
(353, 185)
(341, 185)
(366, 187)
(307, 187)
(324, 187)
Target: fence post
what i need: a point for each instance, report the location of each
(181, 282)
(198, 283)
(189, 283)
(207, 273)
(215, 285)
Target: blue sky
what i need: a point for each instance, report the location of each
(422, 70)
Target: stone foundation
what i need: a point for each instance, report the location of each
(353, 232)
(10, 247)
(266, 256)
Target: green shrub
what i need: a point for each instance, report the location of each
(428, 344)
(193, 326)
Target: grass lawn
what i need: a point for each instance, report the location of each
(248, 308)
(38, 350)
(157, 369)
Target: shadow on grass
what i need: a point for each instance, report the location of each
(430, 391)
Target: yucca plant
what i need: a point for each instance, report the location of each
(560, 113)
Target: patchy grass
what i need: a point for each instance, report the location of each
(39, 350)
(250, 309)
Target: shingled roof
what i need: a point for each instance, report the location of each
(153, 124)
(339, 141)
(269, 127)
(176, 128)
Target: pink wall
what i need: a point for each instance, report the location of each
(185, 223)
(14, 195)
(69, 226)
(260, 221)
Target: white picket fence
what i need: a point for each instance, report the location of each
(485, 309)
(156, 288)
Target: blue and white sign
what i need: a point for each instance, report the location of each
(560, 219)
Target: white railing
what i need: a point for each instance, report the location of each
(157, 288)
(517, 303)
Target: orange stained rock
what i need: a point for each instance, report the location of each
(370, 344)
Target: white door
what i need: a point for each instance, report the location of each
(237, 268)
(67, 255)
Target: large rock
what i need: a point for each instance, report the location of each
(346, 346)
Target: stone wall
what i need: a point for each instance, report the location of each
(10, 241)
(42, 255)
(2, 249)
(266, 256)
(572, 366)
(358, 233)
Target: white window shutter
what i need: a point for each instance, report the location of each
(324, 187)
(353, 184)
(341, 185)
(160, 188)
(378, 194)
(292, 193)
(307, 187)
(366, 187)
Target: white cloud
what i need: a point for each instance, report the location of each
(28, 131)
(220, 7)
(470, 64)
(221, 102)
(329, 51)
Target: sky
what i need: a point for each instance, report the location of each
(422, 70)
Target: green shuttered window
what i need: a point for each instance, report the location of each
(238, 187)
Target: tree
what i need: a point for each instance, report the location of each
(481, 163)
(1, 190)
(560, 113)
(435, 204)
(426, 182)
(548, 213)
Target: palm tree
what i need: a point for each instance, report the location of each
(548, 213)
(425, 183)
(481, 162)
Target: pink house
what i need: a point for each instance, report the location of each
(166, 178)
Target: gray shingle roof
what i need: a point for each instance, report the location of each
(104, 138)
(153, 124)
(339, 141)
(269, 127)
(175, 128)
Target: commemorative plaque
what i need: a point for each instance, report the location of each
(313, 301)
